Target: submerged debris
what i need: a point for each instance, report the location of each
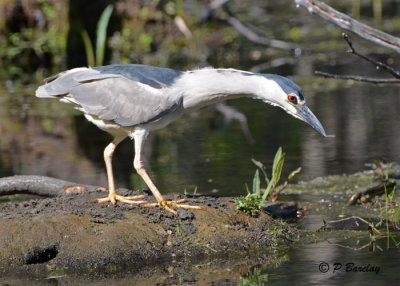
(386, 187)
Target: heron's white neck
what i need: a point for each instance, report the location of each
(206, 86)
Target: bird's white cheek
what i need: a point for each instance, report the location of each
(291, 109)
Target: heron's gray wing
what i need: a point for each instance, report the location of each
(153, 76)
(122, 100)
(110, 96)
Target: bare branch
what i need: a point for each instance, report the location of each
(255, 36)
(358, 78)
(386, 67)
(350, 24)
(248, 31)
(212, 7)
(355, 218)
(377, 63)
(372, 245)
(272, 64)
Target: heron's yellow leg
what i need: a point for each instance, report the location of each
(140, 136)
(112, 194)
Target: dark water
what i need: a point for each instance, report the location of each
(44, 137)
(346, 256)
(308, 266)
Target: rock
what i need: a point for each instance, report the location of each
(284, 210)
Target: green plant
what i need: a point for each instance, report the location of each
(391, 214)
(254, 201)
(254, 277)
(96, 59)
(277, 167)
(390, 211)
(251, 203)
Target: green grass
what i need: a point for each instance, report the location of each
(254, 201)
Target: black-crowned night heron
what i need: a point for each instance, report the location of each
(132, 100)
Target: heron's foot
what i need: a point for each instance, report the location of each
(168, 205)
(117, 198)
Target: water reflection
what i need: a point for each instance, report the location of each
(325, 264)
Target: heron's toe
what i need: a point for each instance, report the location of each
(117, 198)
(167, 205)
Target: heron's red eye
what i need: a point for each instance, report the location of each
(292, 99)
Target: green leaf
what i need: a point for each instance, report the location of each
(278, 169)
(278, 156)
(262, 168)
(256, 184)
(101, 34)
(267, 190)
(294, 173)
(247, 189)
(88, 48)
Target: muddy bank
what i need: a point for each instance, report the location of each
(73, 232)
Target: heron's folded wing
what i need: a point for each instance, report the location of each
(110, 96)
(123, 101)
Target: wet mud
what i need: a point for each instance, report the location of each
(72, 232)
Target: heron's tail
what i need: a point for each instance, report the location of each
(58, 85)
(41, 92)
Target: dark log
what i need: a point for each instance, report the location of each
(39, 185)
(368, 194)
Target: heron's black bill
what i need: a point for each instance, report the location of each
(305, 114)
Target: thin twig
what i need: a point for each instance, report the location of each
(358, 78)
(248, 31)
(386, 67)
(349, 218)
(254, 34)
(208, 13)
(353, 248)
(272, 64)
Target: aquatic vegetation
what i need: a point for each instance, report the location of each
(254, 201)
(254, 277)
(96, 59)
(390, 211)
(386, 224)
(251, 203)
